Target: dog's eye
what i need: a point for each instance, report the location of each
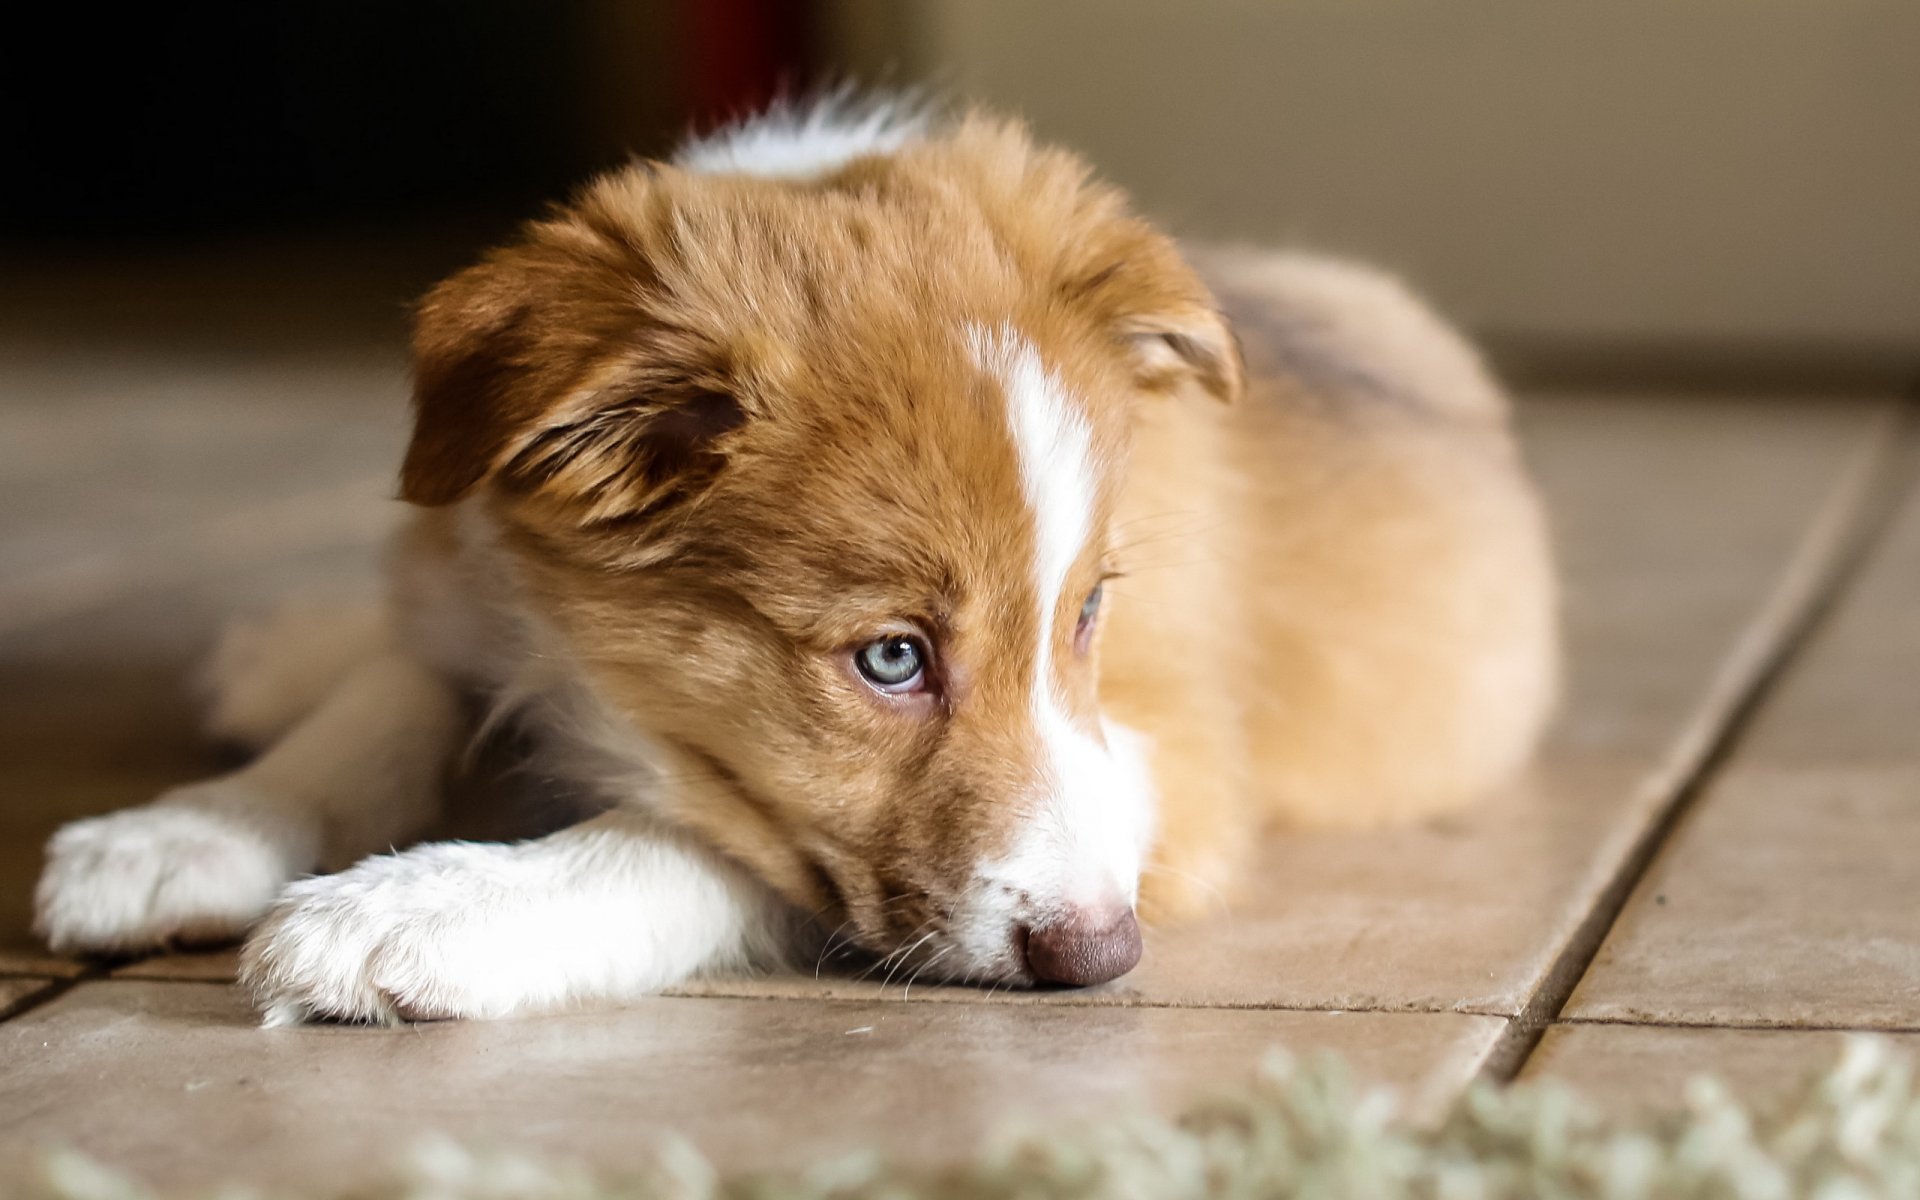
(893, 664)
(1089, 610)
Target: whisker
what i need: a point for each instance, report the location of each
(907, 992)
(906, 953)
(891, 955)
(829, 947)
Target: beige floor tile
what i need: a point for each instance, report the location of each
(1792, 897)
(1853, 695)
(15, 993)
(115, 472)
(1648, 1067)
(1791, 894)
(1676, 518)
(220, 965)
(104, 568)
(22, 954)
(172, 1080)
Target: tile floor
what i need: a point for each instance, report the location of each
(1713, 867)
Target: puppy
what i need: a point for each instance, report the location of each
(873, 517)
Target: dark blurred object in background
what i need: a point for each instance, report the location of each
(247, 114)
(1701, 191)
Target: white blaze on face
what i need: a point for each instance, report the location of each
(1093, 814)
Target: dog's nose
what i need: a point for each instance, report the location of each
(1085, 947)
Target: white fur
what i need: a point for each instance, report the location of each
(1093, 816)
(1056, 468)
(199, 865)
(611, 909)
(803, 141)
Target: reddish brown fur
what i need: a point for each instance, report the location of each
(730, 429)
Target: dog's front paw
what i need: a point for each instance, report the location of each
(402, 937)
(172, 873)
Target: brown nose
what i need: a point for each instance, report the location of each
(1085, 947)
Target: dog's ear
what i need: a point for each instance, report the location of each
(1100, 259)
(470, 343)
(633, 449)
(516, 392)
(1159, 311)
(1097, 258)
(1183, 348)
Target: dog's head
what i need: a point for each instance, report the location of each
(811, 480)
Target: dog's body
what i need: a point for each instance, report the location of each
(776, 492)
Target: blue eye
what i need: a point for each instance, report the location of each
(1091, 608)
(893, 664)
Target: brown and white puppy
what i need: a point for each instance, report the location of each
(874, 517)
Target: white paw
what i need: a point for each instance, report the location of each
(265, 674)
(164, 875)
(425, 935)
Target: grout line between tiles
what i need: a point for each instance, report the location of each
(1846, 528)
(1732, 1025)
(58, 987)
(55, 989)
(1332, 1010)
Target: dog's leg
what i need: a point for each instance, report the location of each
(611, 909)
(268, 672)
(360, 773)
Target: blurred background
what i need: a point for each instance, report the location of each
(1693, 190)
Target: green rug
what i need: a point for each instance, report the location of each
(1852, 1134)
